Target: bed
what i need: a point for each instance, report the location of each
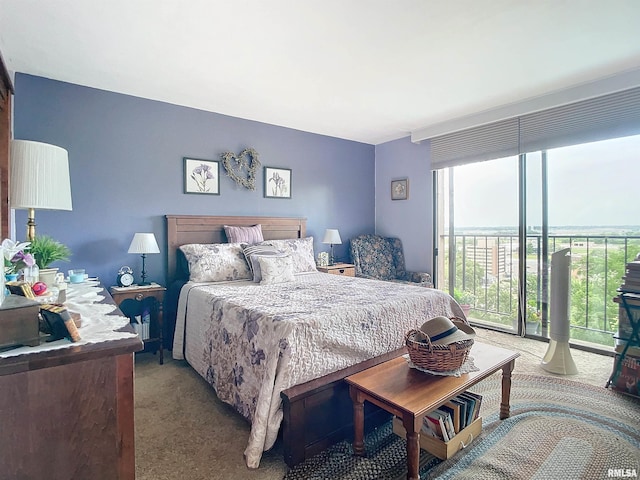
(278, 352)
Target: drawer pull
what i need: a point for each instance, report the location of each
(342, 270)
(139, 296)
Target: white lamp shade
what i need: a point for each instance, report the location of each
(332, 236)
(144, 243)
(39, 176)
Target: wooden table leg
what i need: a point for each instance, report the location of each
(358, 421)
(413, 449)
(505, 406)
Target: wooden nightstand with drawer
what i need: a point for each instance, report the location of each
(344, 269)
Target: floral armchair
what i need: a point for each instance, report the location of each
(382, 258)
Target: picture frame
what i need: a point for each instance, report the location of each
(323, 259)
(201, 176)
(400, 189)
(277, 182)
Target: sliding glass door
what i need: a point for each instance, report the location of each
(477, 235)
(500, 221)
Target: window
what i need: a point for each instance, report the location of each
(581, 197)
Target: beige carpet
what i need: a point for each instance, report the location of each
(184, 432)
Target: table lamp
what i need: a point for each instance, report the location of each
(144, 243)
(332, 237)
(39, 179)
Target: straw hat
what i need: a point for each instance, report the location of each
(443, 331)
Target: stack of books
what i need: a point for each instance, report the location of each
(631, 278)
(630, 288)
(140, 325)
(626, 375)
(452, 417)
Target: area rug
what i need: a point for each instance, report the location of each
(558, 429)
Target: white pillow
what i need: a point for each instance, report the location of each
(276, 270)
(216, 262)
(300, 250)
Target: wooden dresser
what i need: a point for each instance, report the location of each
(68, 413)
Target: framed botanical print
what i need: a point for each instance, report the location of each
(400, 189)
(201, 176)
(277, 182)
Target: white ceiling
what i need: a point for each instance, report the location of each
(364, 70)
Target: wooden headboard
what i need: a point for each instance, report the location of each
(183, 229)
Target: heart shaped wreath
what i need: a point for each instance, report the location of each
(242, 168)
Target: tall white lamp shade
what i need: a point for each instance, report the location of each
(39, 179)
(332, 237)
(144, 243)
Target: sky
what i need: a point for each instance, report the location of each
(589, 184)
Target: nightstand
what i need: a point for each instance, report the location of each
(344, 269)
(135, 301)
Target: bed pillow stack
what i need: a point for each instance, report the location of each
(253, 253)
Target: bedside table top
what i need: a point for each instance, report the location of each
(339, 265)
(134, 288)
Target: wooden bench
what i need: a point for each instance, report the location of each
(410, 394)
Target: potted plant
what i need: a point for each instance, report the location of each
(465, 299)
(45, 251)
(16, 258)
(532, 321)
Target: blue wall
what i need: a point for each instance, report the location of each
(411, 220)
(126, 166)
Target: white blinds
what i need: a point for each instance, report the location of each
(486, 142)
(609, 116)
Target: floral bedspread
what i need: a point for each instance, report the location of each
(251, 341)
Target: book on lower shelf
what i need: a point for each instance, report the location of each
(140, 325)
(451, 418)
(474, 401)
(628, 378)
(438, 447)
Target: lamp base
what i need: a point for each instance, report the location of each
(144, 273)
(31, 225)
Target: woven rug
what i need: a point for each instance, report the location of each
(558, 429)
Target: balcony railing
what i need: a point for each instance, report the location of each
(486, 268)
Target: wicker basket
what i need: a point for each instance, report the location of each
(437, 358)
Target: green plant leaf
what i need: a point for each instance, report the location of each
(46, 250)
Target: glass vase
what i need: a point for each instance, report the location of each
(31, 274)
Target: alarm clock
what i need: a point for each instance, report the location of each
(125, 277)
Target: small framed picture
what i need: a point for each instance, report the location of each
(400, 189)
(277, 182)
(201, 176)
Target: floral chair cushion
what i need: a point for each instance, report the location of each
(382, 258)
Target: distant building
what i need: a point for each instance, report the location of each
(490, 254)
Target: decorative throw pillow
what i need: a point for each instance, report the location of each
(253, 252)
(216, 262)
(301, 251)
(248, 235)
(276, 270)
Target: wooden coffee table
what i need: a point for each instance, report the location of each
(410, 394)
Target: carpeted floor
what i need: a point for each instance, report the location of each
(557, 429)
(183, 431)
